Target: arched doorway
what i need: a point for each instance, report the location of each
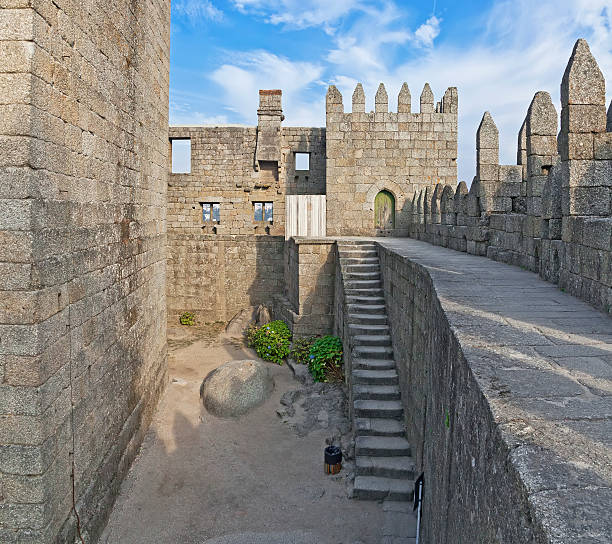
(384, 211)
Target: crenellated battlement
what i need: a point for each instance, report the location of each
(396, 152)
(447, 105)
(551, 212)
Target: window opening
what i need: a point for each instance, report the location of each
(302, 161)
(211, 212)
(181, 156)
(263, 211)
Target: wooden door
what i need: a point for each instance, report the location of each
(384, 211)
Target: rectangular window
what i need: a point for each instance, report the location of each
(181, 156)
(263, 211)
(211, 212)
(302, 161)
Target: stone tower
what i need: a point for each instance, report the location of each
(375, 160)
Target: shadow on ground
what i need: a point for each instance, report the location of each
(200, 479)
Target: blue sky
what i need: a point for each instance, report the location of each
(498, 54)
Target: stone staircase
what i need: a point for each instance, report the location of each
(383, 462)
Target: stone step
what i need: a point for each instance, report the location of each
(367, 319)
(371, 340)
(356, 243)
(375, 488)
(361, 267)
(358, 255)
(366, 426)
(376, 392)
(362, 284)
(369, 329)
(350, 275)
(347, 251)
(359, 261)
(367, 308)
(373, 364)
(375, 377)
(351, 299)
(373, 352)
(367, 292)
(379, 408)
(382, 446)
(402, 467)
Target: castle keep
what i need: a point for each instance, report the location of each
(500, 374)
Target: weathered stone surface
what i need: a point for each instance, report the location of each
(238, 324)
(404, 100)
(583, 82)
(563, 178)
(237, 387)
(487, 136)
(510, 379)
(300, 372)
(427, 99)
(542, 116)
(381, 101)
(358, 99)
(83, 179)
(262, 316)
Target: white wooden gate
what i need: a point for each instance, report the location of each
(306, 216)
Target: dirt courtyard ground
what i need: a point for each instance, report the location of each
(200, 479)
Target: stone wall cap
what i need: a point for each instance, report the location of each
(313, 241)
(213, 126)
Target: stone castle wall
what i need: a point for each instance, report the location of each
(216, 276)
(307, 303)
(83, 174)
(400, 152)
(550, 213)
(223, 171)
(502, 382)
(217, 268)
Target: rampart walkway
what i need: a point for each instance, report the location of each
(542, 408)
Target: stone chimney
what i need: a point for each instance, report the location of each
(270, 116)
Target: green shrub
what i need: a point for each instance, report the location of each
(325, 359)
(271, 342)
(300, 350)
(187, 318)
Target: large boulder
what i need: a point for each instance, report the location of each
(234, 388)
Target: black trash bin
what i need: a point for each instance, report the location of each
(333, 460)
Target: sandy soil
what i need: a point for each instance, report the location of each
(200, 479)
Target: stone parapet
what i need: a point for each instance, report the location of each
(505, 383)
(551, 212)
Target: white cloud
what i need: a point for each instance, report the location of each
(184, 111)
(428, 31)
(250, 72)
(524, 49)
(198, 9)
(363, 49)
(188, 117)
(300, 13)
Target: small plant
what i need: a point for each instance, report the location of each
(187, 318)
(271, 342)
(300, 350)
(250, 333)
(325, 359)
